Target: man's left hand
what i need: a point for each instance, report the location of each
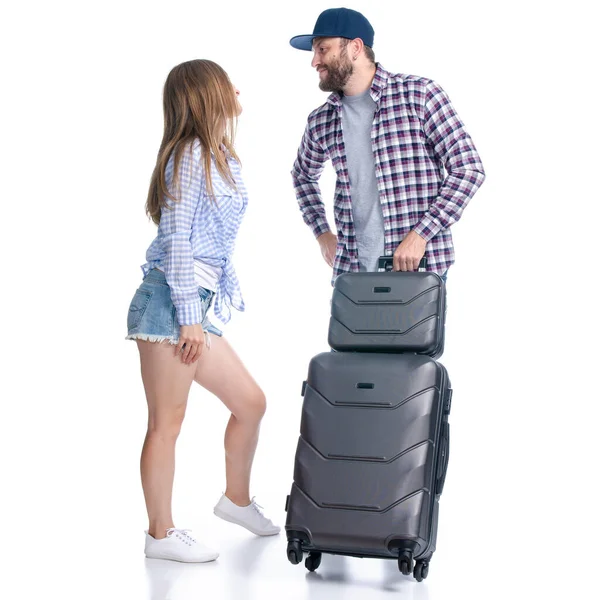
(409, 253)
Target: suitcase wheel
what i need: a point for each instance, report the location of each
(421, 570)
(294, 552)
(405, 562)
(313, 560)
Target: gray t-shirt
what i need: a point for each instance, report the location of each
(357, 122)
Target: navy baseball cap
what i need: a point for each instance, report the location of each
(337, 22)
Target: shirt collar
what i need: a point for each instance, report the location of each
(379, 84)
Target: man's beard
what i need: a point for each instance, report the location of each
(337, 76)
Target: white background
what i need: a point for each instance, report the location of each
(81, 124)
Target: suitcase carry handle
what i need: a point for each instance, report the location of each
(443, 456)
(386, 263)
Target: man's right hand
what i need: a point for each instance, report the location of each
(328, 243)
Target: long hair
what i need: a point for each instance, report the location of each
(199, 102)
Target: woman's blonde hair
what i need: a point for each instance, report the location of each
(199, 102)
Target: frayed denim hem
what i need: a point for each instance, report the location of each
(144, 337)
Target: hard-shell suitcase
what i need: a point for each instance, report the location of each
(388, 312)
(371, 459)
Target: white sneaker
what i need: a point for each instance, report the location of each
(251, 517)
(179, 545)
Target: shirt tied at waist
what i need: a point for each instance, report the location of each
(228, 293)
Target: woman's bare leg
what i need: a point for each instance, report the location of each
(167, 383)
(221, 372)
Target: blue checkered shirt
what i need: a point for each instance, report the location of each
(416, 136)
(197, 228)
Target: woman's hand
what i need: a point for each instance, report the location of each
(192, 336)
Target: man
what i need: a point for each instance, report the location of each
(389, 137)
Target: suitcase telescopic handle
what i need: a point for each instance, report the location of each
(386, 263)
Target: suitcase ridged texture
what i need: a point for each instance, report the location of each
(369, 464)
(388, 312)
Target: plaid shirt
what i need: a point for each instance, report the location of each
(416, 134)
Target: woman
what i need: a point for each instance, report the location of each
(197, 199)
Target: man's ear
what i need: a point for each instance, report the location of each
(356, 47)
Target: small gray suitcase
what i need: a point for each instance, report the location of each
(388, 312)
(371, 459)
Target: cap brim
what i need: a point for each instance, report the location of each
(303, 42)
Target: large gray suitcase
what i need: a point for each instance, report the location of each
(388, 312)
(371, 459)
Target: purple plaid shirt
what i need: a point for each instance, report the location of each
(416, 134)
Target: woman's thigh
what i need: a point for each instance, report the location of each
(167, 382)
(221, 371)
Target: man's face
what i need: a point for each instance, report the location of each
(332, 63)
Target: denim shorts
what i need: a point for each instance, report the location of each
(152, 316)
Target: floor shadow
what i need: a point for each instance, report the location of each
(163, 575)
(338, 570)
(243, 558)
(394, 581)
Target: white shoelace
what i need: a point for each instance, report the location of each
(182, 534)
(257, 507)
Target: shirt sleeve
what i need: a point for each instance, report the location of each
(455, 149)
(306, 172)
(176, 227)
